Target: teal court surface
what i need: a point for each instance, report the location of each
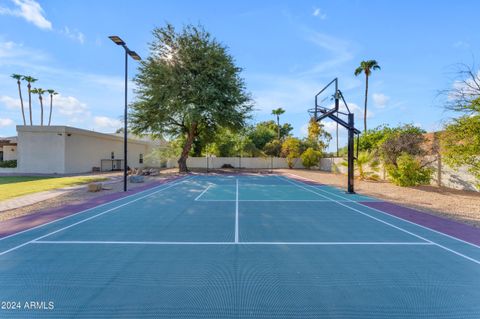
(237, 246)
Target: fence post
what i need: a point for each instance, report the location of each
(439, 170)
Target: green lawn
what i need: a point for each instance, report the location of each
(13, 186)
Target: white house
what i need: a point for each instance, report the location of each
(68, 150)
(8, 148)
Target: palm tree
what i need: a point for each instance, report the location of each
(30, 80)
(366, 67)
(40, 97)
(19, 77)
(52, 93)
(277, 113)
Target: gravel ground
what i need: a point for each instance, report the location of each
(77, 196)
(463, 206)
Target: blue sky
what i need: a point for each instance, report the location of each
(288, 49)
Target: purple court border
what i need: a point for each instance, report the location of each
(461, 231)
(452, 228)
(22, 223)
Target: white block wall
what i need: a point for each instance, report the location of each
(236, 162)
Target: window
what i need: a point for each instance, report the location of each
(140, 158)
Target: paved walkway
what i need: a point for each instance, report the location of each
(34, 198)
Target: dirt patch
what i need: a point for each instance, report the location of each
(81, 195)
(463, 206)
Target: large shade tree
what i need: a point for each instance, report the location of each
(188, 86)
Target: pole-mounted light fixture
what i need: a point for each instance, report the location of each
(118, 41)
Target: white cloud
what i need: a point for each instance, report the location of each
(16, 54)
(295, 95)
(6, 122)
(380, 100)
(10, 102)
(317, 12)
(103, 122)
(29, 10)
(467, 87)
(339, 50)
(7, 48)
(70, 106)
(331, 127)
(355, 109)
(461, 45)
(73, 34)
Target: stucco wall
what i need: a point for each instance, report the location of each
(244, 162)
(67, 150)
(82, 152)
(40, 151)
(443, 176)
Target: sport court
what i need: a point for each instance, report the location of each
(239, 246)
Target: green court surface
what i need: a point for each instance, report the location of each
(239, 246)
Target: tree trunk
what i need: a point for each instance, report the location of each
(50, 115)
(41, 110)
(182, 161)
(29, 86)
(365, 110)
(278, 126)
(21, 103)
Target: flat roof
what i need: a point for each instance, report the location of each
(62, 129)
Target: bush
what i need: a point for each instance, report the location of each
(404, 139)
(8, 164)
(461, 143)
(273, 148)
(409, 171)
(366, 165)
(310, 157)
(291, 149)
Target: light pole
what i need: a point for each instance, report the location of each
(136, 57)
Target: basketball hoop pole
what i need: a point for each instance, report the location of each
(351, 156)
(321, 113)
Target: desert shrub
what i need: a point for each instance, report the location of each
(273, 148)
(310, 157)
(404, 139)
(291, 149)
(8, 164)
(409, 171)
(461, 143)
(367, 166)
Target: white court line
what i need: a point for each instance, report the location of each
(95, 207)
(83, 242)
(92, 217)
(268, 200)
(326, 243)
(386, 223)
(236, 214)
(375, 209)
(204, 191)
